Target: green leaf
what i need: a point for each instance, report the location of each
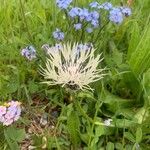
(86, 95)
(135, 37)
(139, 60)
(85, 138)
(12, 144)
(33, 87)
(124, 123)
(146, 82)
(99, 131)
(73, 128)
(115, 103)
(110, 146)
(138, 135)
(129, 136)
(118, 146)
(15, 134)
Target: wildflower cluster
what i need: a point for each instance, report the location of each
(10, 112)
(63, 4)
(92, 17)
(74, 66)
(89, 19)
(29, 52)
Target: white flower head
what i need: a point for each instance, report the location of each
(74, 66)
(107, 122)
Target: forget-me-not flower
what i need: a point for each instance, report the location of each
(107, 6)
(74, 12)
(63, 4)
(94, 4)
(126, 11)
(77, 26)
(89, 30)
(29, 52)
(116, 16)
(58, 34)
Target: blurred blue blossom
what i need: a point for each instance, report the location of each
(89, 30)
(95, 23)
(29, 52)
(78, 26)
(83, 47)
(107, 6)
(83, 14)
(58, 34)
(74, 12)
(58, 45)
(49, 49)
(126, 11)
(116, 16)
(63, 4)
(94, 15)
(94, 4)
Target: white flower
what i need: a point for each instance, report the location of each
(107, 122)
(72, 66)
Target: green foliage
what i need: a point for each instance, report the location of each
(73, 128)
(14, 136)
(139, 60)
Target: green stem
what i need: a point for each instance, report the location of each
(24, 19)
(97, 37)
(98, 104)
(79, 108)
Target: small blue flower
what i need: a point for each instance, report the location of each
(107, 6)
(95, 23)
(94, 4)
(78, 26)
(89, 30)
(116, 16)
(85, 47)
(58, 46)
(94, 15)
(74, 12)
(58, 34)
(126, 11)
(29, 52)
(63, 4)
(83, 13)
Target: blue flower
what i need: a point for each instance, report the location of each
(126, 11)
(94, 15)
(58, 46)
(81, 47)
(116, 16)
(63, 4)
(107, 6)
(74, 12)
(94, 5)
(89, 30)
(58, 34)
(29, 52)
(78, 26)
(95, 23)
(83, 13)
